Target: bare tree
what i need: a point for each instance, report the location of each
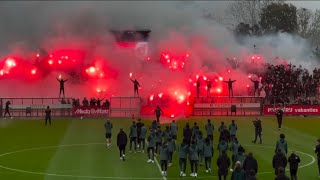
(247, 12)
(304, 21)
(314, 30)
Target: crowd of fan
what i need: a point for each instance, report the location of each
(289, 84)
(93, 102)
(285, 84)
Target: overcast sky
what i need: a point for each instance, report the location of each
(28, 19)
(313, 5)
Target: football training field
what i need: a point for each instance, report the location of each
(74, 148)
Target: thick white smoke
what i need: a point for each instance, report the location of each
(290, 48)
(176, 26)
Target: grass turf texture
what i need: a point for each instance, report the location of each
(88, 157)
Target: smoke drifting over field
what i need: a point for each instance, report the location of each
(178, 27)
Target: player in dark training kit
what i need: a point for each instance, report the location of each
(122, 140)
(174, 130)
(279, 115)
(7, 109)
(108, 126)
(151, 146)
(133, 136)
(158, 113)
(209, 129)
(142, 137)
(139, 126)
(233, 130)
(194, 159)
(294, 161)
(282, 145)
(48, 116)
(164, 157)
(250, 165)
(317, 151)
(258, 130)
(208, 154)
(171, 148)
(183, 152)
(223, 163)
(279, 160)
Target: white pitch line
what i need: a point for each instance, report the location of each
(64, 175)
(75, 176)
(106, 177)
(312, 161)
(163, 177)
(48, 147)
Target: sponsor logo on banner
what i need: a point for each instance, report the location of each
(293, 110)
(41, 106)
(90, 111)
(226, 105)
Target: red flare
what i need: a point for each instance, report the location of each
(33, 71)
(151, 97)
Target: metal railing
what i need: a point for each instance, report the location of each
(35, 107)
(125, 106)
(226, 106)
(131, 106)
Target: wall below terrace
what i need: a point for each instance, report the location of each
(133, 107)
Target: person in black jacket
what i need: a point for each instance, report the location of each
(225, 134)
(198, 87)
(250, 163)
(187, 134)
(99, 101)
(122, 140)
(48, 115)
(256, 86)
(281, 174)
(209, 84)
(279, 115)
(136, 86)
(221, 129)
(158, 113)
(223, 163)
(294, 161)
(230, 86)
(107, 104)
(8, 103)
(61, 81)
(279, 160)
(258, 130)
(317, 151)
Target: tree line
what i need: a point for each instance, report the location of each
(260, 17)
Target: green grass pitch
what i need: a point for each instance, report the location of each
(74, 148)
